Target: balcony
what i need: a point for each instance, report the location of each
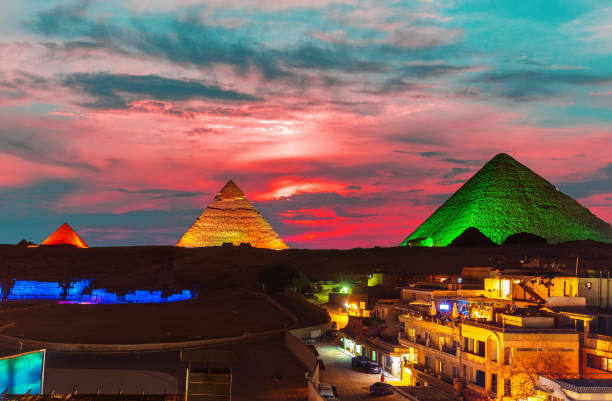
(439, 381)
(419, 343)
(429, 319)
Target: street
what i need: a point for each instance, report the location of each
(351, 384)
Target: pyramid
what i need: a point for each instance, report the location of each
(503, 198)
(65, 235)
(231, 218)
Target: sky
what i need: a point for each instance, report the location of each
(345, 122)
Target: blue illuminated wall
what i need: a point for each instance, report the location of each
(22, 373)
(75, 292)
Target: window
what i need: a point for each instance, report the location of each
(507, 388)
(373, 355)
(358, 349)
(468, 344)
(411, 334)
(427, 361)
(507, 355)
(599, 362)
(480, 350)
(439, 367)
(494, 383)
(480, 378)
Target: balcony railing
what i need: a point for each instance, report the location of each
(450, 350)
(490, 325)
(431, 319)
(494, 326)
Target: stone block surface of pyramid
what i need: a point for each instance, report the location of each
(505, 197)
(65, 235)
(231, 218)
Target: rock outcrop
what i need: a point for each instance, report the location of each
(505, 197)
(231, 219)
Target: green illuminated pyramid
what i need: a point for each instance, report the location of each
(503, 198)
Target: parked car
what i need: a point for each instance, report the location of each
(356, 361)
(369, 367)
(328, 391)
(313, 349)
(364, 364)
(381, 388)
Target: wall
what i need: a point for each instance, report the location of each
(313, 394)
(594, 296)
(304, 355)
(311, 331)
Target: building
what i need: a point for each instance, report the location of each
(491, 359)
(377, 338)
(573, 389)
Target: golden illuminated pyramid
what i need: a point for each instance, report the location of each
(65, 235)
(231, 218)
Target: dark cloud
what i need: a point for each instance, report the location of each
(116, 90)
(395, 85)
(545, 76)
(39, 148)
(352, 215)
(532, 85)
(302, 216)
(309, 55)
(21, 84)
(430, 154)
(353, 187)
(203, 131)
(598, 183)
(455, 172)
(159, 193)
(188, 41)
(23, 200)
(161, 107)
(463, 162)
(434, 70)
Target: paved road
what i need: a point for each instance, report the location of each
(352, 385)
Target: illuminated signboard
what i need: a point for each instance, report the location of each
(444, 306)
(23, 372)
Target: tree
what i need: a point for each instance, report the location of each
(544, 360)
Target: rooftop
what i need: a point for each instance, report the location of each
(586, 385)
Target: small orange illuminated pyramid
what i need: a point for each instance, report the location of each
(231, 218)
(65, 235)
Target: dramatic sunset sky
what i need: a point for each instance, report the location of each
(345, 122)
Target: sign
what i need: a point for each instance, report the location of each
(23, 372)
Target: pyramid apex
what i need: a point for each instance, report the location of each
(231, 191)
(502, 156)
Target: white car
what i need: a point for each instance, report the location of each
(328, 391)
